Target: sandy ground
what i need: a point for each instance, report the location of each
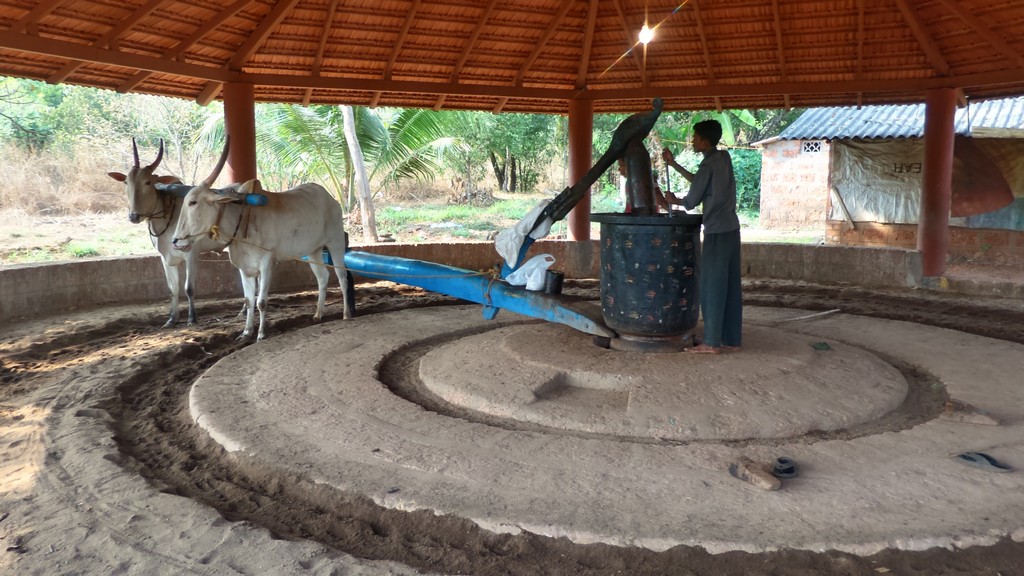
(103, 471)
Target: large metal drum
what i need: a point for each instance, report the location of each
(649, 270)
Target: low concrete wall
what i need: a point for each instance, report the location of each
(38, 289)
(877, 267)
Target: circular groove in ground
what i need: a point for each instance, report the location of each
(152, 429)
(399, 372)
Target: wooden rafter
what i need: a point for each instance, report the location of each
(75, 51)
(260, 35)
(410, 17)
(209, 93)
(931, 50)
(179, 49)
(859, 71)
(588, 44)
(318, 60)
(985, 32)
(467, 48)
(541, 44)
(707, 53)
(205, 29)
(29, 21)
(783, 75)
(630, 41)
(108, 39)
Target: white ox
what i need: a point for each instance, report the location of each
(295, 223)
(161, 211)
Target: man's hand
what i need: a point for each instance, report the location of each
(667, 156)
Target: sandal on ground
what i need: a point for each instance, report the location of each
(983, 461)
(784, 468)
(755, 474)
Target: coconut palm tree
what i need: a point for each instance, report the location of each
(296, 144)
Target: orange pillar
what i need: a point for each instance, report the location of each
(581, 146)
(937, 180)
(240, 124)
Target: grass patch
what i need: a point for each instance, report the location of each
(83, 250)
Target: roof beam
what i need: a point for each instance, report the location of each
(725, 90)
(783, 75)
(629, 36)
(209, 93)
(467, 48)
(218, 75)
(860, 48)
(260, 34)
(321, 48)
(181, 47)
(931, 50)
(205, 29)
(108, 39)
(541, 44)
(984, 31)
(707, 53)
(409, 18)
(588, 44)
(29, 21)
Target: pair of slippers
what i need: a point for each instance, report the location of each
(983, 461)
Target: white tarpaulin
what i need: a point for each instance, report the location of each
(880, 181)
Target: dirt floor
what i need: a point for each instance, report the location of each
(151, 371)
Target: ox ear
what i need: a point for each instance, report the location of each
(117, 176)
(250, 187)
(168, 179)
(226, 199)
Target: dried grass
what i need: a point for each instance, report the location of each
(75, 184)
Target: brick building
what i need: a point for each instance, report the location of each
(857, 174)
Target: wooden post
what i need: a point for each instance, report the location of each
(581, 146)
(937, 180)
(240, 124)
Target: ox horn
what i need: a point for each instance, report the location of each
(220, 163)
(135, 152)
(159, 157)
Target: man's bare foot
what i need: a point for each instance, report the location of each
(731, 348)
(705, 349)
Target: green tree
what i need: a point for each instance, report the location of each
(518, 146)
(26, 111)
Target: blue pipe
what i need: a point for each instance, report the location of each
(494, 294)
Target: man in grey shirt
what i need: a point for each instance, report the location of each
(713, 186)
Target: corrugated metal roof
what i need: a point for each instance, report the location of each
(525, 55)
(902, 121)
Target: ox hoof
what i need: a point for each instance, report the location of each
(170, 323)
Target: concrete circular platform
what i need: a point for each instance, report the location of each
(549, 375)
(312, 402)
